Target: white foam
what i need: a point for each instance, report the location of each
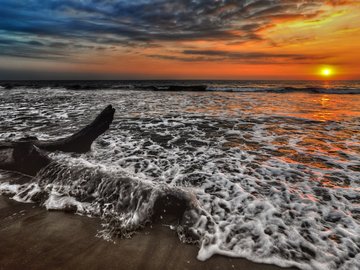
(57, 201)
(7, 188)
(26, 192)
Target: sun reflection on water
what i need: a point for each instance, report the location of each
(297, 129)
(316, 107)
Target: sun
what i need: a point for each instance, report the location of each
(326, 72)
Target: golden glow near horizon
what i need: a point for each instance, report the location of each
(327, 72)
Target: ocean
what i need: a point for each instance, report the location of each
(270, 168)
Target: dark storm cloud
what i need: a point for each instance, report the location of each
(243, 57)
(248, 55)
(58, 23)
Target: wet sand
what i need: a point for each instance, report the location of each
(33, 238)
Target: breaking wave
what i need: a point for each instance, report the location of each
(125, 204)
(333, 87)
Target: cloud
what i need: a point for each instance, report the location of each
(243, 57)
(57, 24)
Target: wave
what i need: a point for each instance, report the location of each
(124, 204)
(179, 86)
(313, 90)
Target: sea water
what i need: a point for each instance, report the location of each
(272, 169)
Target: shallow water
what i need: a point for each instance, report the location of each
(276, 176)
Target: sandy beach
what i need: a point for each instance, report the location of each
(33, 238)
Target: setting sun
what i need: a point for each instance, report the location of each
(326, 72)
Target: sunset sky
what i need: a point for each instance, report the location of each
(179, 39)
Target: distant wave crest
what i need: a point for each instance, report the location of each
(346, 87)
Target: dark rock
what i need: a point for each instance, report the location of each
(80, 87)
(179, 88)
(194, 88)
(150, 88)
(171, 207)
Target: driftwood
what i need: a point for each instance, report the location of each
(26, 155)
(23, 157)
(81, 141)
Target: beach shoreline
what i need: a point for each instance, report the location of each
(34, 238)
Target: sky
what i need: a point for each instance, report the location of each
(179, 39)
